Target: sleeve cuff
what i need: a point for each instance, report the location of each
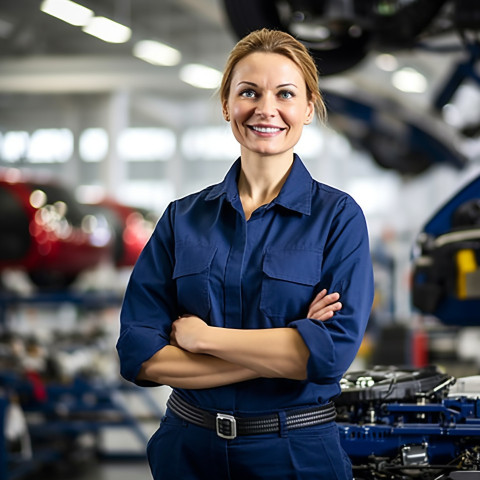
(136, 345)
(321, 364)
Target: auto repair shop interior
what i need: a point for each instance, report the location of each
(100, 128)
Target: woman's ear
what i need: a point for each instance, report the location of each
(226, 113)
(309, 113)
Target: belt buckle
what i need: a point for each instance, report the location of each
(226, 422)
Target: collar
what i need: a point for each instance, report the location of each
(229, 185)
(296, 193)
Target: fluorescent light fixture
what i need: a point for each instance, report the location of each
(93, 144)
(157, 53)
(50, 145)
(200, 76)
(68, 11)
(108, 30)
(146, 144)
(409, 80)
(15, 145)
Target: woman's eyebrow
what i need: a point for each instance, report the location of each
(247, 83)
(253, 84)
(286, 85)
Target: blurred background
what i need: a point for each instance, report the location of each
(109, 110)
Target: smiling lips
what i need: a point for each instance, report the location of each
(265, 130)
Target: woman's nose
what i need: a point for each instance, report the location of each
(266, 106)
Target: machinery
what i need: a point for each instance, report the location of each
(446, 276)
(404, 423)
(340, 34)
(399, 423)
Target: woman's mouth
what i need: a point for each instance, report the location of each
(265, 130)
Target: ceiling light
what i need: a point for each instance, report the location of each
(146, 144)
(67, 11)
(108, 30)
(157, 53)
(200, 76)
(93, 144)
(386, 62)
(409, 80)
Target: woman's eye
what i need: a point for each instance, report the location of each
(286, 94)
(248, 93)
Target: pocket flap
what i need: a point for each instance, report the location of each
(299, 266)
(192, 259)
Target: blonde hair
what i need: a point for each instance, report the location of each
(275, 41)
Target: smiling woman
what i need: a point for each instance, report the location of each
(267, 105)
(234, 302)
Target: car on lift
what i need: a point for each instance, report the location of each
(46, 232)
(339, 35)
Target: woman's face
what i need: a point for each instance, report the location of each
(267, 105)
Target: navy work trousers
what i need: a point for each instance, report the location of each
(182, 451)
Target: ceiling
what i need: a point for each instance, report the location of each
(40, 53)
(28, 31)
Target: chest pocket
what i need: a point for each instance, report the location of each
(191, 273)
(289, 280)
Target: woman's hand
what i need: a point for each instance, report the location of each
(187, 332)
(324, 306)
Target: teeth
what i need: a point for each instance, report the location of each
(266, 129)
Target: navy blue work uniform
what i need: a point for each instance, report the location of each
(205, 259)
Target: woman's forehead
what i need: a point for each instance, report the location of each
(262, 65)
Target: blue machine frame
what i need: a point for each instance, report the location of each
(404, 423)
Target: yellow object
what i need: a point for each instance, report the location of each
(466, 264)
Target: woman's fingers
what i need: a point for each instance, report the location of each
(326, 312)
(324, 305)
(323, 299)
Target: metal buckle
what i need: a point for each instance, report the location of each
(226, 422)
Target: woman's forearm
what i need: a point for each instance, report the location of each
(273, 352)
(181, 369)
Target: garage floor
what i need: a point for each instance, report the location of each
(117, 471)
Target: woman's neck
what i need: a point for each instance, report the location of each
(261, 179)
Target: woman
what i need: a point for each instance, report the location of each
(228, 302)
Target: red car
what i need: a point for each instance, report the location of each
(132, 227)
(47, 233)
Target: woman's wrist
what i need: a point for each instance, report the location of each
(205, 340)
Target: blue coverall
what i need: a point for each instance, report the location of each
(205, 259)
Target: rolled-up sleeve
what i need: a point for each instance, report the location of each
(346, 269)
(149, 304)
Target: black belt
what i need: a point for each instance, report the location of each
(228, 426)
